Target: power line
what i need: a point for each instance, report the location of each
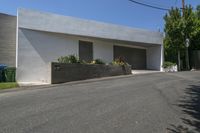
(150, 2)
(148, 5)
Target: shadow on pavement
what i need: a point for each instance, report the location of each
(190, 105)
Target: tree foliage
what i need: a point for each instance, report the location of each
(173, 29)
(195, 37)
(198, 11)
(173, 41)
(178, 27)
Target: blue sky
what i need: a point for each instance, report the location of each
(121, 12)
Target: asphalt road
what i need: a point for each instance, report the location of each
(153, 103)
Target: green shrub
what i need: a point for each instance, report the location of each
(63, 59)
(69, 59)
(97, 61)
(119, 61)
(73, 59)
(168, 64)
(82, 62)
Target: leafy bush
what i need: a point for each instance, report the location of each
(73, 59)
(168, 64)
(119, 61)
(63, 59)
(83, 62)
(69, 59)
(97, 61)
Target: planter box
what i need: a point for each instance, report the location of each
(61, 72)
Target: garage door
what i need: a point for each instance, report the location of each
(135, 57)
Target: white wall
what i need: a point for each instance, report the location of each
(49, 22)
(103, 50)
(154, 58)
(35, 51)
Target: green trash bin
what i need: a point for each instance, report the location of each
(10, 73)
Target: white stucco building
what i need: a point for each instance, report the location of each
(43, 37)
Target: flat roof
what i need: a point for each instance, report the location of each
(49, 22)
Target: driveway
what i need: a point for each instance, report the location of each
(151, 103)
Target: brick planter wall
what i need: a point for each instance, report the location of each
(61, 72)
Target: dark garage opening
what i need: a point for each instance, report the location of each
(134, 56)
(86, 51)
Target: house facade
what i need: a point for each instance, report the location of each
(8, 39)
(43, 37)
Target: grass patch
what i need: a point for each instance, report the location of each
(8, 85)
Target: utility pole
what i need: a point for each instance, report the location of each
(179, 52)
(186, 40)
(183, 6)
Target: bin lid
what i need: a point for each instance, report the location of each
(2, 66)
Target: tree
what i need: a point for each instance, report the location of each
(198, 11)
(195, 36)
(173, 41)
(178, 27)
(188, 29)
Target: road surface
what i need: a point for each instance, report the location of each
(151, 103)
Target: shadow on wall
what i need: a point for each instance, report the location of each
(190, 105)
(50, 46)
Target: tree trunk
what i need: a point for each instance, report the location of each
(187, 59)
(179, 60)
